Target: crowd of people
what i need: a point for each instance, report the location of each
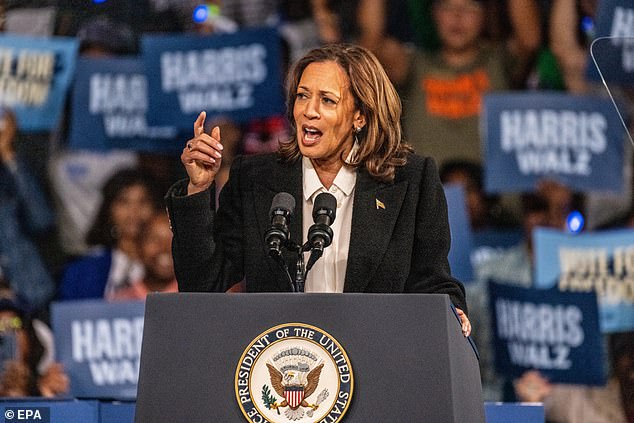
(112, 238)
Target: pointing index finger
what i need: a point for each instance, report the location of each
(199, 124)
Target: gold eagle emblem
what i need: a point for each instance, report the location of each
(295, 386)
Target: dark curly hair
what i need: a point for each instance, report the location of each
(101, 232)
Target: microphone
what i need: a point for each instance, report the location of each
(276, 236)
(320, 234)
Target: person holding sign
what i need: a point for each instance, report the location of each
(27, 365)
(444, 89)
(390, 233)
(612, 403)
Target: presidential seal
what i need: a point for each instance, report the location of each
(294, 373)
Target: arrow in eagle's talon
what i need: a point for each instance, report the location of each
(320, 398)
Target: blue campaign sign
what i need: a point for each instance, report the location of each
(234, 75)
(554, 332)
(601, 262)
(506, 412)
(613, 49)
(488, 243)
(35, 74)
(99, 345)
(109, 108)
(461, 241)
(49, 411)
(576, 140)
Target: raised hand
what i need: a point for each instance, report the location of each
(202, 156)
(54, 381)
(532, 387)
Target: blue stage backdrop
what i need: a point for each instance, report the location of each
(499, 412)
(35, 74)
(233, 75)
(576, 140)
(38, 410)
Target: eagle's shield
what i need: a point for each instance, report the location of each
(294, 395)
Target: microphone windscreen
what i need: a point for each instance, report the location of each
(325, 203)
(283, 201)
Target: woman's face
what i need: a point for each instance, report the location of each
(324, 112)
(131, 210)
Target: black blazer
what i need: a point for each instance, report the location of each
(401, 247)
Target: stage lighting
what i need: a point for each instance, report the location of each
(574, 222)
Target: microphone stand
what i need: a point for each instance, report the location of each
(297, 285)
(300, 277)
(301, 270)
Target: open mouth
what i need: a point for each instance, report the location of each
(311, 134)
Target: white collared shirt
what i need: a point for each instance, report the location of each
(329, 272)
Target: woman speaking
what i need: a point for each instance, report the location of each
(391, 233)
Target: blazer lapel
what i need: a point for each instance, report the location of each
(375, 212)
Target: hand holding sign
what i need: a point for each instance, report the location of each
(202, 156)
(532, 387)
(54, 381)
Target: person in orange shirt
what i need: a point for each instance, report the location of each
(442, 90)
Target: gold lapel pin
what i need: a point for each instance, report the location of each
(379, 204)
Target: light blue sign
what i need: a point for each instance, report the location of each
(601, 262)
(109, 108)
(489, 243)
(235, 75)
(576, 140)
(461, 240)
(35, 74)
(99, 345)
(554, 332)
